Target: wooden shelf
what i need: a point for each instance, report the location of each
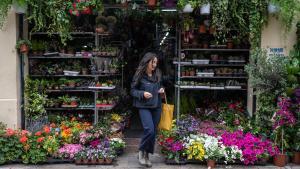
(216, 50)
(214, 77)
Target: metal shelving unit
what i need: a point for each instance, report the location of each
(213, 65)
(96, 92)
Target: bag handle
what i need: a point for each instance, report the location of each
(166, 97)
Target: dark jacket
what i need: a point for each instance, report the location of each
(145, 84)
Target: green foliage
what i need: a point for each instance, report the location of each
(4, 8)
(288, 12)
(10, 147)
(2, 126)
(187, 104)
(266, 74)
(23, 42)
(35, 153)
(35, 99)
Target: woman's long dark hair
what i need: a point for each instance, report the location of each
(141, 70)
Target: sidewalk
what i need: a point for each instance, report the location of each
(129, 161)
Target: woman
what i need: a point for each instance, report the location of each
(146, 90)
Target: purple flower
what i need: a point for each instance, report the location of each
(177, 146)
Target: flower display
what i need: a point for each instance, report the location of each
(252, 147)
(283, 117)
(194, 148)
(69, 151)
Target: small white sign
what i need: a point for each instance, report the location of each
(275, 52)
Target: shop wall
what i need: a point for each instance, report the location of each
(9, 74)
(273, 36)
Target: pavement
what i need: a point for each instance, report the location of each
(129, 161)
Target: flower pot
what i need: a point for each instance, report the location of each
(24, 49)
(85, 161)
(205, 9)
(188, 8)
(94, 161)
(100, 30)
(101, 161)
(211, 163)
(192, 73)
(151, 3)
(84, 71)
(78, 161)
(108, 161)
(280, 160)
(202, 29)
(205, 45)
(229, 44)
(296, 158)
(72, 84)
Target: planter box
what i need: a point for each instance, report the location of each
(173, 162)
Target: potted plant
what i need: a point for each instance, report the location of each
(72, 83)
(101, 24)
(151, 3)
(229, 43)
(202, 28)
(282, 120)
(23, 45)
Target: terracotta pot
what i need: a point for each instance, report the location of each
(85, 161)
(229, 45)
(72, 84)
(202, 29)
(94, 161)
(212, 30)
(108, 161)
(100, 30)
(151, 3)
(205, 45)
(296, 158)
(24, 49)
(280, 160)
(101, 161)
(211, 163)
(78, 161)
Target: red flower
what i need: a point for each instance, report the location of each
(46, 129)
(169, 140)
(232, 106)
(39, 133)
(74, 5)
(10, 132)
(41, 139)
(23, 139)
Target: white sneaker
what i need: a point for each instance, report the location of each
(141, 158)
(147, 160)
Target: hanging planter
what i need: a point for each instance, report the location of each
(23, 46)
(188, 8)
(205, 9)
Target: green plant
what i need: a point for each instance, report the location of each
(2, 126)
(33, 151)
(288, 12)
(10, 146)
(4, 8)
(36, 99)
(23, 42)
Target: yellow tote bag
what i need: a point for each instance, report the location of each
(166, 117)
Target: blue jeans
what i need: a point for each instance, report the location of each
(150, 119)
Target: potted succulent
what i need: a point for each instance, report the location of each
(23, 45)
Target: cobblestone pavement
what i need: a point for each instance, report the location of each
(129, 161)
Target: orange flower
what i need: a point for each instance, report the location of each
(46, 129)
(78, 126)
(39, 133)
(41, 139)
(73, 119)
(10, 132)
(52, 125)
(23, 139)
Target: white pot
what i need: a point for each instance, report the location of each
(272, 9)
(19, 9)
(205, 9)
(188, 8)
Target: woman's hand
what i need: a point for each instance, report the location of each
(147, 95)
(161, 90)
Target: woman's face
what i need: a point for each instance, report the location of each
(152, 64)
